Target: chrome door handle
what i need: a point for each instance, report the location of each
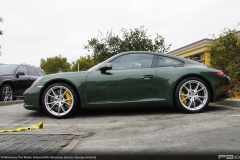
(147, 77)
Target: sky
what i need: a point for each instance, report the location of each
(35, 29)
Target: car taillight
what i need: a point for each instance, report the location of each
(220, 74)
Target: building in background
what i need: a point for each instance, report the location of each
(197, 51)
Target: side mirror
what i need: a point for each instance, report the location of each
(105, 66)
(19, 73)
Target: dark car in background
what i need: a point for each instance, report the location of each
(16, 78)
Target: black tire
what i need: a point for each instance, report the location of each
(192, 95)
(60, 100)
(6, 92)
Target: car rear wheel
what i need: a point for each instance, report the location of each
(6, 92)
(60, 100)
(191, 95)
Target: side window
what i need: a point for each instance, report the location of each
(165, 61)
(40, 73)
(132, 61)
(31, 71)
(23, 69)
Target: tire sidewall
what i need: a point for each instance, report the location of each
(176, 95)
(75, 103)
(1, 91)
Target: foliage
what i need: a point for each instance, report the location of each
(225, 55)
(84, 63)
(104, 47)
(55, 64)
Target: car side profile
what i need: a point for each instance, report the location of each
(16, 78)
(129, 79)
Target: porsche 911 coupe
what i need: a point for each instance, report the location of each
(130, 79)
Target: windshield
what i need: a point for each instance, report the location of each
(95, 67)
(7, 68)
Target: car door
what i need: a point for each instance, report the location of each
(167, 68)
(22, 81)
(131, 79)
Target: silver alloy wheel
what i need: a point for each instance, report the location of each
(7, 93)
(193, 95)
(59, 100)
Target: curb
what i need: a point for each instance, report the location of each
(5, 103)
(229, 102)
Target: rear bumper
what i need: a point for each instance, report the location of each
(223, 96)
(221, 88)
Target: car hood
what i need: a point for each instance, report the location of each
(62, 76)
(66, 74)
(6, 74)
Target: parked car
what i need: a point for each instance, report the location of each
(130, 79)
(16, 78)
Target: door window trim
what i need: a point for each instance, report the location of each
(132, 54)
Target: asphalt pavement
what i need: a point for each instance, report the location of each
(142, 133)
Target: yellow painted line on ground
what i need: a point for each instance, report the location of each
(39, 126)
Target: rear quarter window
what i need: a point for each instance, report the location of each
(166, 61)
(31, 71)
(40, 73)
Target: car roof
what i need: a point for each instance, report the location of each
(23, 64)
(157, 53)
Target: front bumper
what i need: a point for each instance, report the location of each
(31, 98)
(31, 107)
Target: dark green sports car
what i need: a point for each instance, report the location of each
(130, 79)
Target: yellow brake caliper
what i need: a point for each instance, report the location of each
(183, 98)
(68, 96)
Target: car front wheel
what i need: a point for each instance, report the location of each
(60, 100)
(6, 92)
(191, 95)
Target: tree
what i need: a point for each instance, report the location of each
(84, 63)
(225, 55)
(104, 47)
(55, 64)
